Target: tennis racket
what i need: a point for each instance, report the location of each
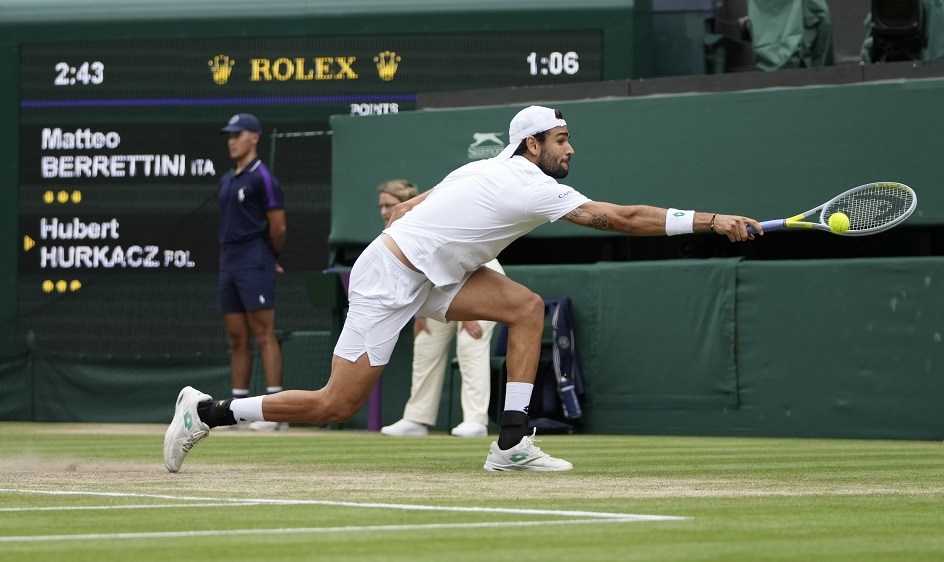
(871, 208)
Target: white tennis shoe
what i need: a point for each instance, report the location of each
(523, 456)
(185, 429)
(469, 429)
(405, 428)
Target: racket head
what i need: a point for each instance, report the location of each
(871, 208)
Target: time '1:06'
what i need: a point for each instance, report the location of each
(554, 63)
(86, 73)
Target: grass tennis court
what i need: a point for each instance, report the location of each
(338, 495)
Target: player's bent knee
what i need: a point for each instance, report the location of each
(339, 413)
(532, 309)
(339, 410)
(528, 310)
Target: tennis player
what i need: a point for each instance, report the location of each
(428, 262)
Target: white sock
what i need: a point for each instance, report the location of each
(247, 409)
(518, 396)
(273, 389)
(240, 393)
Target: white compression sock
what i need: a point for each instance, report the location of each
(247, 409)
(518, 396)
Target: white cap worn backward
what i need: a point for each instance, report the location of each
(529, 121)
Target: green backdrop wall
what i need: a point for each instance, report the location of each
(849, 348)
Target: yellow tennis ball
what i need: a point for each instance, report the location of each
(839, 222)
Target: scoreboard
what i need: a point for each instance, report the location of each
(298, 70)
(120, 157)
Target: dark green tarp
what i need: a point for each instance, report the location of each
(790, 33)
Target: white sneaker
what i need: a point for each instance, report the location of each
(523, 456)
(405, 428)
(185, 429)
(268, 426)
(470, 429)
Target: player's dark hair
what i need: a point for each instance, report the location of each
(523, 146)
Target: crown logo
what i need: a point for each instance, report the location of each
(387, 63)
(221, 66)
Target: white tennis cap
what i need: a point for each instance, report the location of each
(529, 121)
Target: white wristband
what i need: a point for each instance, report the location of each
(679, 222)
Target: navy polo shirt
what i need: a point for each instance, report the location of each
(244, 229)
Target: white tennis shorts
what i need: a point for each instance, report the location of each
(384, 295)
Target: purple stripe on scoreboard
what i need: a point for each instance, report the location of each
(178, 102)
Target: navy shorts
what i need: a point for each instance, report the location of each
(246, 290)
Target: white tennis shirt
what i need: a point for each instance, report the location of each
(476, 212)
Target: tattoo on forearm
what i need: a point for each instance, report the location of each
(598, 221)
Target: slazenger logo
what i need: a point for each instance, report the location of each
(485, 145)
(563, 195)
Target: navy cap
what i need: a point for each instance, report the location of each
(242, 122)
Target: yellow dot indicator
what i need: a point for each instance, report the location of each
(63, 196)
(49, 197)
(61, 285)
(76, 197)
(48, 286)
(75, 285)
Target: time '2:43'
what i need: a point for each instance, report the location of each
(555, 63)
(85, 74)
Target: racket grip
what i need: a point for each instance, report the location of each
(770, 226)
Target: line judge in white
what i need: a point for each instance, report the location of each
(428, 262)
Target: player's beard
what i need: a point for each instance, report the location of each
(550, 166)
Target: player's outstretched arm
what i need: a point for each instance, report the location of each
(645, 220)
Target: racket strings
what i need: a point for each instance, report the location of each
(873, 207)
